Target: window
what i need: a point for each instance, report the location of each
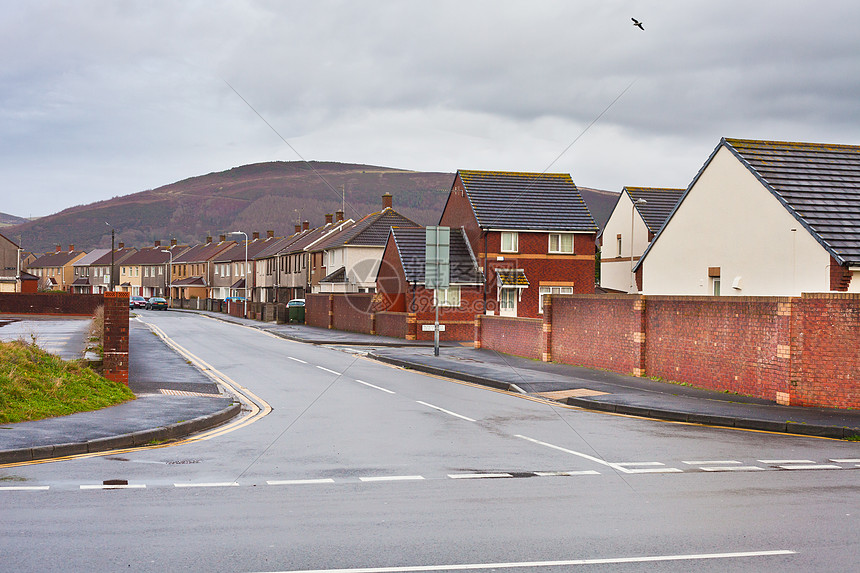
(447, 296)
(551, 290)
(716, 285)
(508, 302)
(618, 239)
(509, 243)
(561, 243)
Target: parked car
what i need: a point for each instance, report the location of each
(156, 303)
(235, 298)
(136, 302)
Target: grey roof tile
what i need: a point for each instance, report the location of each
(411, 246)
(659, 204)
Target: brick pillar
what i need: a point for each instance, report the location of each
(639, 347)
(478, 331)
(116, 336)
(373, 323)
(331, 311)
(411, 326)
(546, 342)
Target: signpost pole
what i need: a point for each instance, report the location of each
(437, 270)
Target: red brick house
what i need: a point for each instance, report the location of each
(532, 234)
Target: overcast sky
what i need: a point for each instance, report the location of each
(101, 99)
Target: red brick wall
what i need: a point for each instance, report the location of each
(317, 307)
(393, 324)
(738, 344)
(353, 312)
(827, 338)
(116, 336)
(598, 331)
(50, 303)
(517, 336)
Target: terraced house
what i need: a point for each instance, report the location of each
(233, 268)
(192, 271)
(532, 234)
(56, 270)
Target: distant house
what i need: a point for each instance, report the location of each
(192, 271)
(100, 269)
(635, 220)
(401, 281)
(350, 257)
(146, 272)
(231, 276)
(762, 218)
(55, 270)
(82, 268)
(532, 234)
(10, 266)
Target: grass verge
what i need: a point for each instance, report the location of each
(36, 385)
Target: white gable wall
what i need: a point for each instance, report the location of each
(615, 268)
(731, 221)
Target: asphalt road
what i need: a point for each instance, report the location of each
(361, 466)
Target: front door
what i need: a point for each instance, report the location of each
(508, 302)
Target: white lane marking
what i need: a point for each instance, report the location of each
(625, 464)
(100, 486)
(296, 359)
(374, 386)
(779, 462)
(300, 481)
(731, 469)
(811, 467)
(564, 563)
(478, 476)
(711, 463)
(654, 471)
(847, 461)
(390, 478)
(210, 484)
(573, 473)
(24, 487)
(444, 410)
(614, 466)
(327, 370)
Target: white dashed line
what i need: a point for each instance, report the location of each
(297, 360)
(653, 470)
(626, 464)
(780, 462)
(211, 484)
(100, 486)
(444, 410)
(300, 481)
(391, 478)
(810, 467)
(732, 469)
(374, 386)
(478, 476)
(711, 463)
(846, 461)
(573, 473)
(24, 488)
(329, 371)
(614, 466)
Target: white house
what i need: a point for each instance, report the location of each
(636, 218)
(762, 218)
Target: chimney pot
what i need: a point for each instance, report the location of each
(222, 238)
(270, 234)
(387, 201)
(71, 248)
(59, 248)
(298, 228)
(255, 235)
(172, 242)
(328, 218)
(157, 243)
(208, 240)
(120, 246)
(338, 215)
(306, 225)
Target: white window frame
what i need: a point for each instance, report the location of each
(551, 290)
(447, 296)
(514, 241)
(559, 248)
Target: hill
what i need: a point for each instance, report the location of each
(7, 220)
(258, 197)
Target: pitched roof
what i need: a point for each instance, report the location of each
(91, 257)
(818, 183)
(338, 276)
(527, 201)
(120, 255)
(512, 278)
(149, 256)
(237, 252)
(411, 246)
(56, 259)
(370, 231)
(659, 204)
(203, 252)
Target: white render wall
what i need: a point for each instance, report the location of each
(730, 220)
(614, 269)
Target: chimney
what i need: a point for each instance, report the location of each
(71, 248)
(119, 247)
(306, 225)
(222, 238)
(59, 248)
(157, 244)
(208, 240)
(255, 235)
(387, 201)
(298, 228)
(328, 218)
(172, 242)
(270, 234)
(338, 216)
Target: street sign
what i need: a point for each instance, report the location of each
(432, 327)
(437, 259)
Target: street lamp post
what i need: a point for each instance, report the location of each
(244, 271)
(169, 274)
(640, 201)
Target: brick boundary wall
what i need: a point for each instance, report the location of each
(50, 303)
(393, 324)
(353, 312)
(798, 351)
(116, 336)
(510, 335)
(318, 310)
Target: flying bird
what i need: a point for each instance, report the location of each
(638, 24)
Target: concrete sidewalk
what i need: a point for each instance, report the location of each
(587, 388)
(174, 400)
